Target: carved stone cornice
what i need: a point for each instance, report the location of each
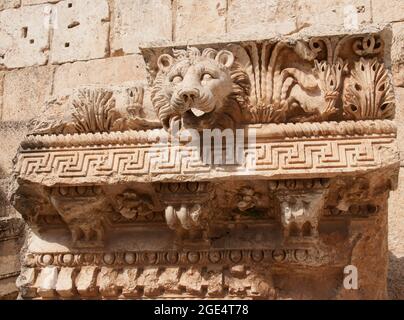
(309, 149)
(126, 204)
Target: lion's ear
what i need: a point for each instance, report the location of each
(164, 62)
(225, 58)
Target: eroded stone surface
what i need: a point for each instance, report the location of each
(7, 4)
(270, 17)
(139, 21)
(110, 71)
(25, 37)
(81, 32)
(196, 20)
(314, 118)
(24, 91)
(393, 12)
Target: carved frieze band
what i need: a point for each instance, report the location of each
(300, 255)
(219, 273)
(137, 163)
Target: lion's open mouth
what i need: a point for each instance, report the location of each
(195, 117)
(197, 112)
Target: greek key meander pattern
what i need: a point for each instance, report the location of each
(134, 162)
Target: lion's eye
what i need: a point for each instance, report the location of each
(207, 76)
(176, 79)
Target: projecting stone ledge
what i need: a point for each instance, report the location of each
(126, 205)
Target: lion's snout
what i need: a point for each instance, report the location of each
(189, 95)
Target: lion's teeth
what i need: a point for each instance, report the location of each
(197, 112)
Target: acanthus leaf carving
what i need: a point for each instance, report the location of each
(93, 109)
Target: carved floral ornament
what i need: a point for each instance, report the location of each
(273, 82)
(322, 79)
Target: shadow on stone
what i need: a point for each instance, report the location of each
(395, 277)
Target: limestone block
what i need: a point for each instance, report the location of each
(236, 285)
(24, 35)
(11, 134)
(111, 71)
(65, 283)
(25, 91)
(129, 278)
(395, 279)
(46, 282)
(261, 17)
(200, 19)
(1, 93)
(86, 281)
(398, 74)
(390, 11)
(136, 21)
(25, 282)
(191, 280)
(9, 261)
(169, 279)
(107, 282)
(3, 198)
(31, 2)
(397, 53)
(214, 280)
(8, 4)
(81, 30)
(149, 281)
(5, 207)
(347, 14)
(8, 290)
(399, 120)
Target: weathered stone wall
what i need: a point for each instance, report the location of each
(49, 46)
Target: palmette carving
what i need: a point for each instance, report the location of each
(368, 94)
(94, 111)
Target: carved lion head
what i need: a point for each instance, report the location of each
(199, 90)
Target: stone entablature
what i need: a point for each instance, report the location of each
(126, 205)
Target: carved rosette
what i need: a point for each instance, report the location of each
(122, 205)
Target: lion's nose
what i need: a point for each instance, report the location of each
(189, 94)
